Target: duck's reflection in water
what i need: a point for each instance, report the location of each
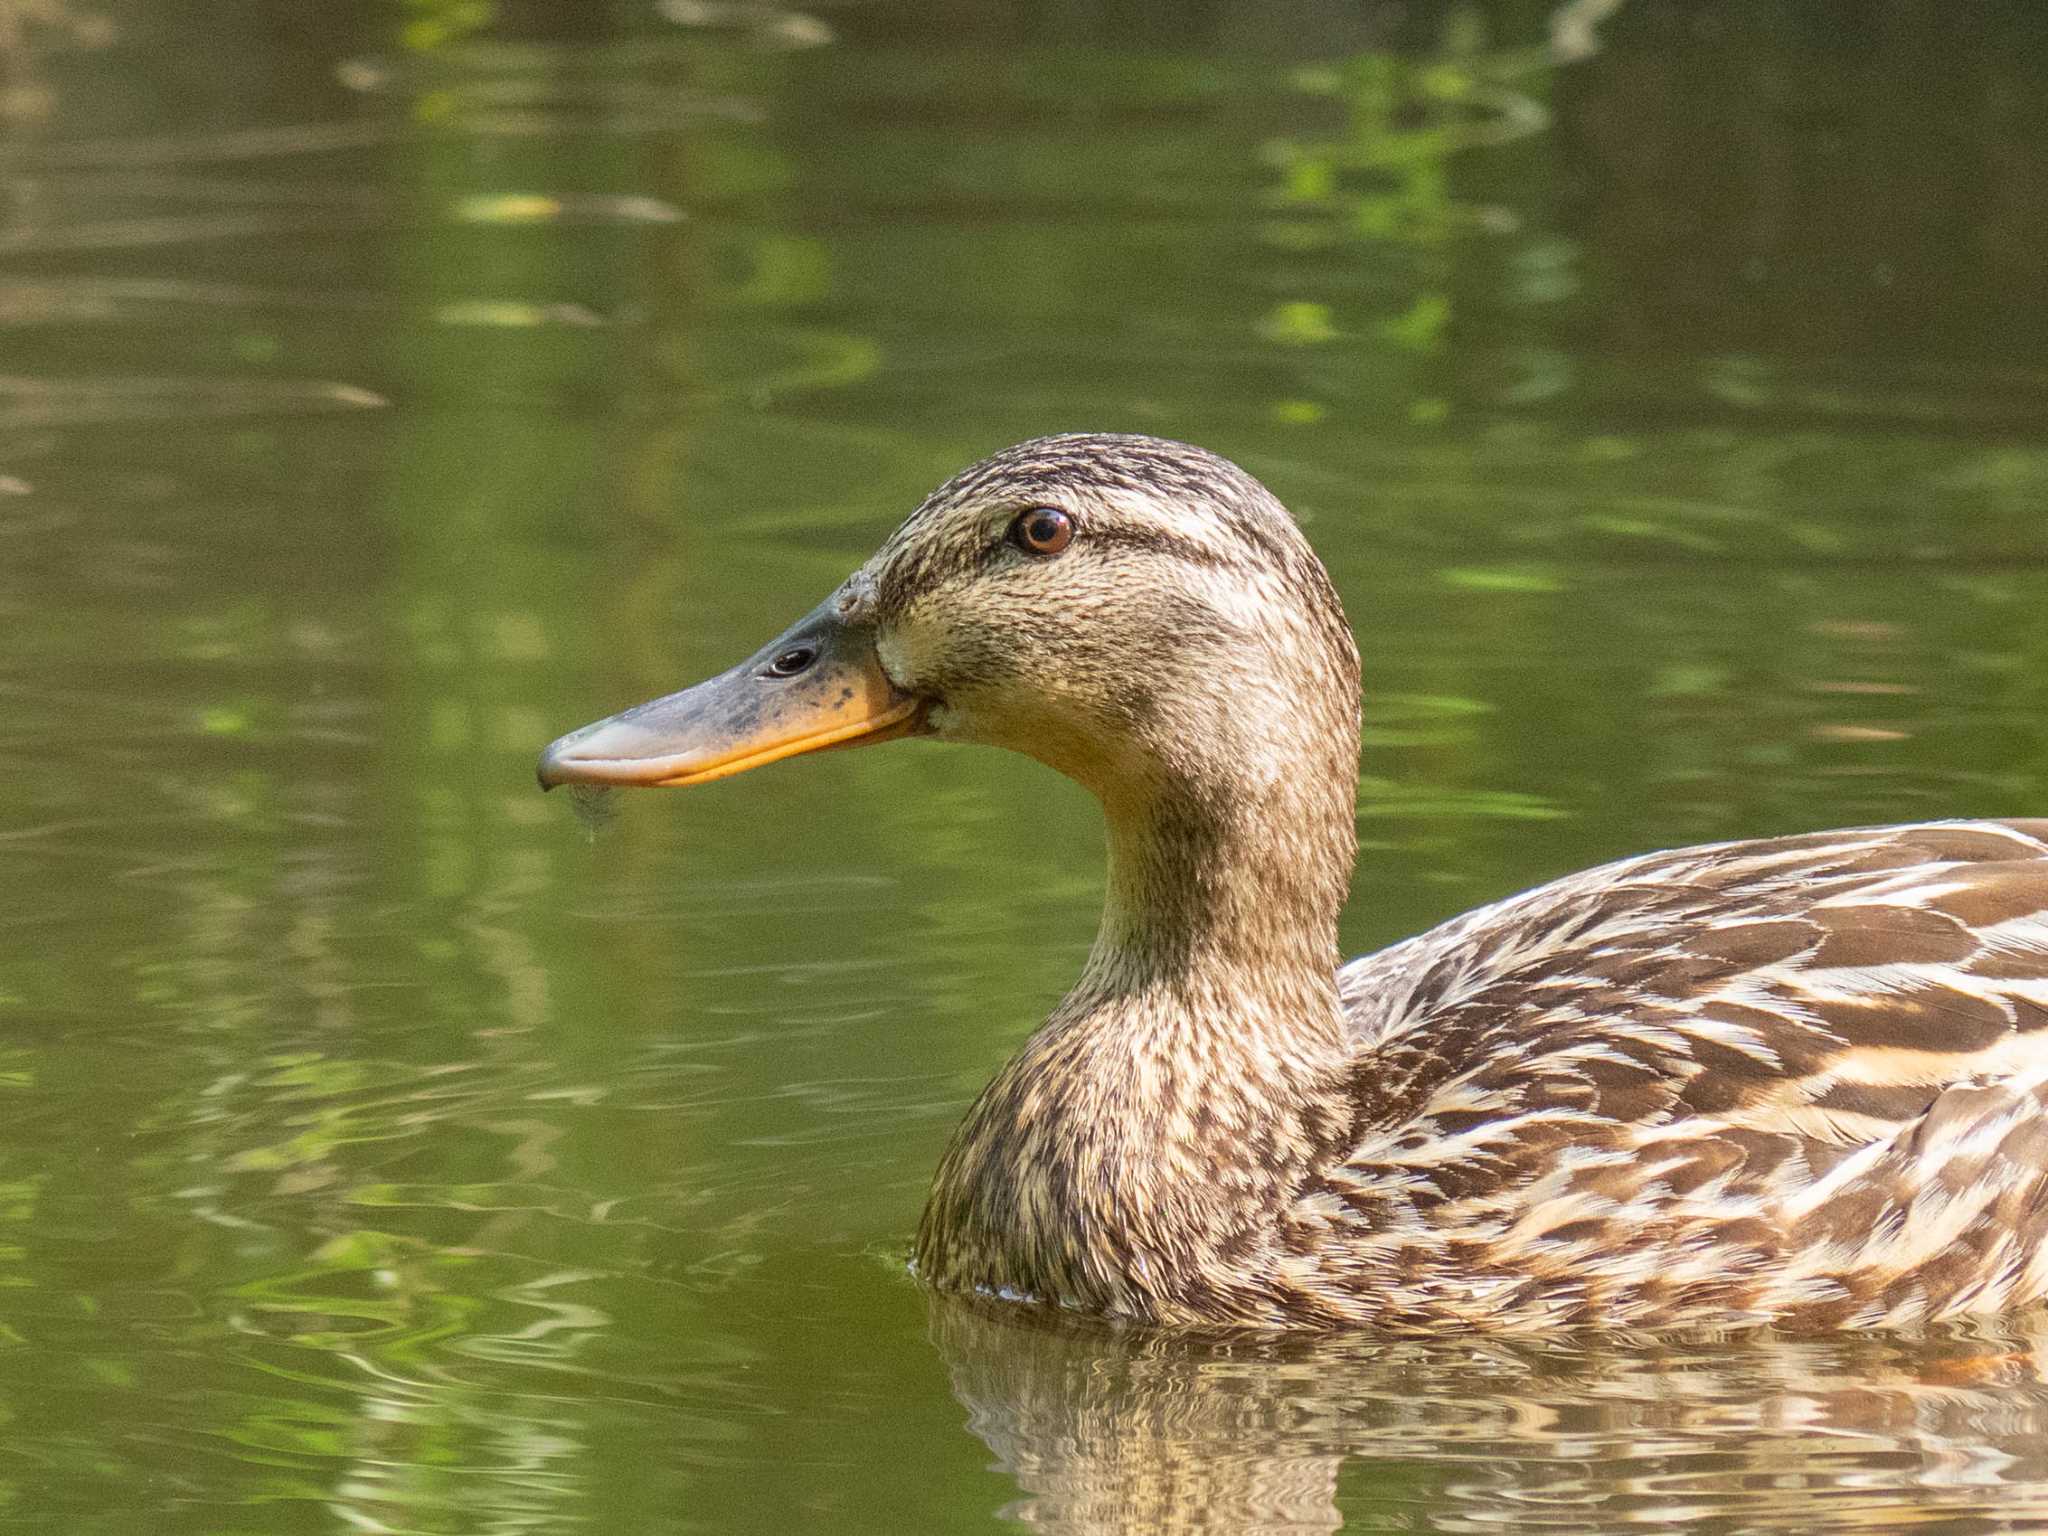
(1942, 1429)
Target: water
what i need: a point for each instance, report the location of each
(386, 393)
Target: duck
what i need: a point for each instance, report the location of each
(1797, 1081)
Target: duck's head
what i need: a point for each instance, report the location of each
(1140, 615)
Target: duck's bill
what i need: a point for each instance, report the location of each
(817, 686)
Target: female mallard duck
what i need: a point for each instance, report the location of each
(1797, 1080)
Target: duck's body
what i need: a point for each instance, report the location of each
(1797, 1080)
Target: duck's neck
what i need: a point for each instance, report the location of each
(1229, 894)
(1136, 1155)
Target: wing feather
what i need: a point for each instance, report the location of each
(1787, 1075)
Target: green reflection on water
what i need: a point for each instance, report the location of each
(382, 1153)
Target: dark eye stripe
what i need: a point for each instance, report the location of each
(1156, 541)
(1148, 540)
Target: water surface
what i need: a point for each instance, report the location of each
(388, 392)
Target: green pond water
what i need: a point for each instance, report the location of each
(387, 389)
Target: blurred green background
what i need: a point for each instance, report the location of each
(386, 388)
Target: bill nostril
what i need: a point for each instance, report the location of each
(788, 663)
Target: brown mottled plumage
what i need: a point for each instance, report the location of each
(1799, 1080)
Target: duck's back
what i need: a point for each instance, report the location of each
(1799, 1079)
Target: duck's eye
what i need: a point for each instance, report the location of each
(1042, 531)
(792, 661)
